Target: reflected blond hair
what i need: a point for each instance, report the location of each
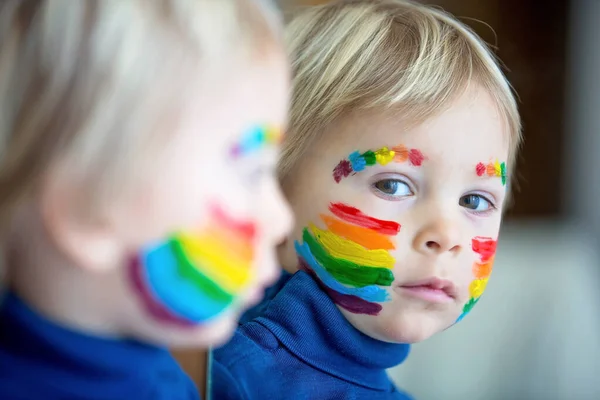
(384, 54)
(93, 81)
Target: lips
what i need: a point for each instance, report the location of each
(433, 290)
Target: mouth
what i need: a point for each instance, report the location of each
(433, 290)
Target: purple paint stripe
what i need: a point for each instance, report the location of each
(155, 309)
(351, 303)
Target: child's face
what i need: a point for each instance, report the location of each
(201, 234)
(402, 241)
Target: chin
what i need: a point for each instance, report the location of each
(211, 334)
(396, 326)
(214, 333)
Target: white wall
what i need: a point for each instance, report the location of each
(582, 147)
(534, 335)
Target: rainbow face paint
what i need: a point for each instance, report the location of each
(482, 269)
(350, 258)
(256, 139)
(357, 162)
(492, 169)
(194, 276)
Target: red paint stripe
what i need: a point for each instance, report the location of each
(485, 247)
(247, 229)
(415, 157)
(355, 216)
(480, 169)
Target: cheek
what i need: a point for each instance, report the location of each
(194, 276)
(481, 270)
(350, 257)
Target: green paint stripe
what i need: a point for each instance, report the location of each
(470, 304)
(369, 157)
(187, 271)
(503, 173)
(347, 272)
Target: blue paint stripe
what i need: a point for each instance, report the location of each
(357, 161)
(371, 293)
(181, 296)
(253, 139)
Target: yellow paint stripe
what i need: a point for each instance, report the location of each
(477, 287)
(497, 169)
(348, 250)
(232, 241)
(212, 258)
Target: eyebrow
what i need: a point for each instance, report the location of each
(357, 161)
(256, 139)
(492, 169)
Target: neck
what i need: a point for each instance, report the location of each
(287, 256)
(60, 291)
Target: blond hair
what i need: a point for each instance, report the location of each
(379, 54)
(92, 80)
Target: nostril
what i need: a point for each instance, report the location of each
(432, 245)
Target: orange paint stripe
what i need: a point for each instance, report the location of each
(234, 242)
(484, 270)
(365, 237)
(401, 153)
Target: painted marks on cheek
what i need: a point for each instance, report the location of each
(355, 216)
(350, 259)
(255, 140)
(192, 276)
(357, 162)
(485, 247)
(492, 169)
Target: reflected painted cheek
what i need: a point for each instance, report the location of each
(192, 277)
(350, 259)
(485, 248)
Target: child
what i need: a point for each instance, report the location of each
(402, 140)
(138, 143)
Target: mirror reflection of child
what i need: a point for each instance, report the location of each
(402, 140)
(139, 205)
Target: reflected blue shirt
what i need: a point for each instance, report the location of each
(42, 360)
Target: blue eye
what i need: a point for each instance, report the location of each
(476, 203)
(393, 188)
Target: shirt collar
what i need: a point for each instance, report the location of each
(309, 324)
(29, 336)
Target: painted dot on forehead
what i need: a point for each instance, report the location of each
(256, 139)
(357, 161)
(492, 169)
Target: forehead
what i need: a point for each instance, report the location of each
(467, 132)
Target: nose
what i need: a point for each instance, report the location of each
(438, 237)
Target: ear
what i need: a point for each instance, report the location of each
(81, 234)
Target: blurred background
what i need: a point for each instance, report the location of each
(536, 332)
